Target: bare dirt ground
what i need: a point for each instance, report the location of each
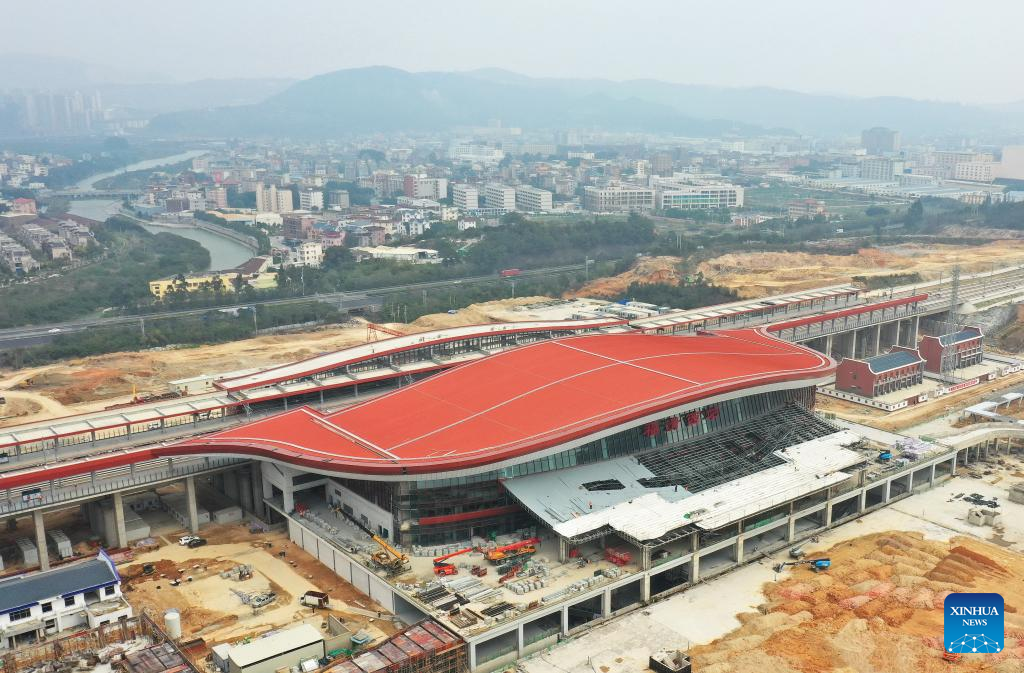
(878, 609)
(757, 274)
(94, 383)
(209, 605)
(908, 417)
(646, 270)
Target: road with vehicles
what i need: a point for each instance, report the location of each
(19, 337)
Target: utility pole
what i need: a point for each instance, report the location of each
(951, 325)
(142, 326)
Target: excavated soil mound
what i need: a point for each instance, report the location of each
(877, 610)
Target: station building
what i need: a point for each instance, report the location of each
(966, 349)
(870, 377)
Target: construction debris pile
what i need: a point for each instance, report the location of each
(877, 609)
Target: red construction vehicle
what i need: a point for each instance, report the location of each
(617, 556)
(513, 550)
(478, 571)
(442, 569)
(951, 657)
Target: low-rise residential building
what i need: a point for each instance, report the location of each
(531, 199)
(23, 206)
(307, 253)
(398, 254)
(618, 198)
(84, 594)
(16, 257)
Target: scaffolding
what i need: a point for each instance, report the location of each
(706, 462)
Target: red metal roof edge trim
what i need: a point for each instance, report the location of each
(224, 384)
(867, 308)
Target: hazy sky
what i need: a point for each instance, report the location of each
(940, 49)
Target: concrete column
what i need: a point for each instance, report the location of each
(44, 553)
(256, 483)
(645, 588)
(122, 532)
(828, 345)
(520, 645)
(853, 345)
(230, 488)
(899, 324)
(828, 514)
(193, 506)
(472, 656)
(876, 346)
(245, 489)
(694, 569)
(888, 489)
(563, 550)
(565, 621)
(931, 476)
(792, 529)
(739, 550)
(645, 560)
(863, 501)
(288, 495)
(606, 603)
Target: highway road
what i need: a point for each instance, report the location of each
(19, 337)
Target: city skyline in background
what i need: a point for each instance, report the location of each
(874, 49)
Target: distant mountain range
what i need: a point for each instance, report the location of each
(387, 99)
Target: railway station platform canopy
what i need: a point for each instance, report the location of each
(522, 403)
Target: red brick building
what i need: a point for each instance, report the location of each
(965, 349)
(899, 368)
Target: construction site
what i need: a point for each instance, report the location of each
(535, 493)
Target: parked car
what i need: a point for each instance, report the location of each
(196, 542)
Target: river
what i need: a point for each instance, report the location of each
(225, 253)
(89, 183)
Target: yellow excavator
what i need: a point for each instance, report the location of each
(388, 559)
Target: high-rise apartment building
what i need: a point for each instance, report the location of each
(311, 199)
(273, 199)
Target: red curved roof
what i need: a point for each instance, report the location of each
(518, 402)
